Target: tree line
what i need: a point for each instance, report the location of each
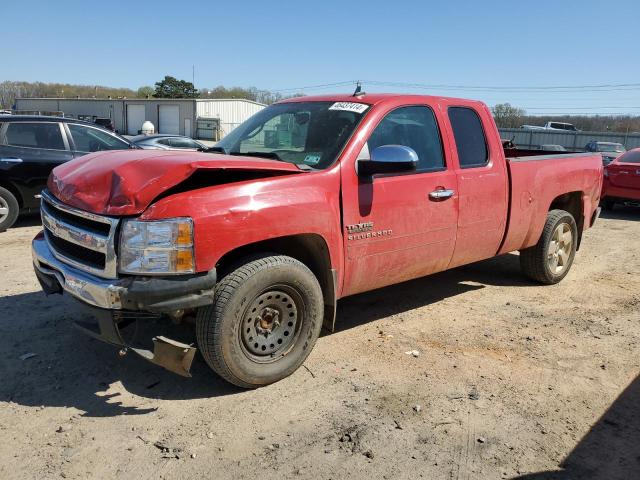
(168, 87)
(508, 116)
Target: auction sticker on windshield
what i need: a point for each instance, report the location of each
(349, 107)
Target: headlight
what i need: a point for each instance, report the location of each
(157, 247)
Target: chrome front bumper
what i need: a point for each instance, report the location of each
(147, 294)
(95, 291)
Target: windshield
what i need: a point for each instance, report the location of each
(611, 147)
(309, 133)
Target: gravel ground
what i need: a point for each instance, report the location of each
(510, 380)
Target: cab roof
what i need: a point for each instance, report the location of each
(375, 98)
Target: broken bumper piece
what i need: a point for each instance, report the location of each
(175, 356)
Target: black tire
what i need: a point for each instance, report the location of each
(608, 204)
(535, 261)
(238, 334)
(8, 201)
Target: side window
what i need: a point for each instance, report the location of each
(469, 136)
(413, 127)
(89, 139)
(178, 142)
(165, 141)
(35, 135)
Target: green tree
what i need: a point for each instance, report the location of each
(507, 116)
(145, 92)
(171, 87)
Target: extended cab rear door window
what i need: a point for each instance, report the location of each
(46, 135)
(414, 127)
(469, 135)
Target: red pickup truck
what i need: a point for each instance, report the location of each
(310, 200)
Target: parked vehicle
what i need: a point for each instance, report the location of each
(610, 150)
(106, 123)
(622, 180)
(552, 126)
(310, 200)
(553, 148)
(31, 146)
(166, 142)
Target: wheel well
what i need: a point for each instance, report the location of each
(310, 249)
(12, 188)
(571, 202)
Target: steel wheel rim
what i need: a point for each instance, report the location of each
(271, 323)
(560, 248)
(4, 209)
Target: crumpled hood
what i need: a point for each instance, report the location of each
(125, 182)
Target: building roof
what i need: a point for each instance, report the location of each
(134, 99)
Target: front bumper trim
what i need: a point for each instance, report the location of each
(152, 294)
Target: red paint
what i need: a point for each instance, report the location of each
(622, 177)
(497, 208)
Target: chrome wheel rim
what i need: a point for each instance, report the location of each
(4, 209)
(560, 248)
(271, 324)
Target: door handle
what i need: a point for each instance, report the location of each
(441, 194)
(11, 160)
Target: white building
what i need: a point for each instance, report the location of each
(198, 118)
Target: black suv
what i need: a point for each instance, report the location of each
(31, 146)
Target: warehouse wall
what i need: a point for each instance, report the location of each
(230, 112)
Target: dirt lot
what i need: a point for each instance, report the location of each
(512, 380)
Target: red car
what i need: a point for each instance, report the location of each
(622, 180)
(310, 200)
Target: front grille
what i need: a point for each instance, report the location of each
(81, 239)
(76, 252)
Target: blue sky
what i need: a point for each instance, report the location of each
(287, 44)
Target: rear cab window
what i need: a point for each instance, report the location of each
(469, 136)
(45, 135)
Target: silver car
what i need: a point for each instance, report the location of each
(166, 142)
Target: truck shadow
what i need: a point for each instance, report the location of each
(70, 369)
(622, 212)
(370, 306)
(611, 448)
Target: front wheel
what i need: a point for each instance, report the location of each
(551, 258)
(8, 209)
(265, 319)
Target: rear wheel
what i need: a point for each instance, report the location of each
(9, 209)
(551, 258)
(265, 320)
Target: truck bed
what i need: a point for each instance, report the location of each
(538, 181)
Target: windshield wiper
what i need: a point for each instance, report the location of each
(270, 155)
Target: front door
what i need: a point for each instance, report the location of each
(396, 226)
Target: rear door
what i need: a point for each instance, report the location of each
(482, 184)
(394, 229)
(29, 151)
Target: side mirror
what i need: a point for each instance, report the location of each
(388, 159)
